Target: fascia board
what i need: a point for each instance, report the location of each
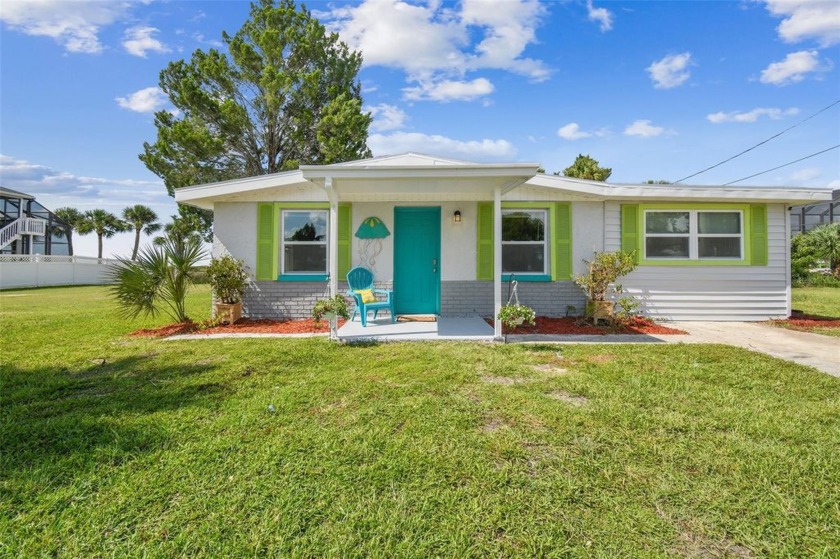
(311, 172)
(193, 194)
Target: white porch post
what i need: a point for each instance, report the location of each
(497, 261)
(332, 252)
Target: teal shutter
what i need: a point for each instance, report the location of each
(758, 234)
(345, 240)
(630, 228)
(562, 265)
(484, 267)
(266, 242)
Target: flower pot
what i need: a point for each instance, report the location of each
(229, 313)
(519, 321)
(600, 310)
(331, 316)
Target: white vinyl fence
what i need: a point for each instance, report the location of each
(36, 270)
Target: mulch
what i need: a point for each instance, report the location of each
(576, 326)
(242, 326)
(544, 325)
(806, 322)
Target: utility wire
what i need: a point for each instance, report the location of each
(785, 165)
(758, 144)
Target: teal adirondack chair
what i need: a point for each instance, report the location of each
(361, 278)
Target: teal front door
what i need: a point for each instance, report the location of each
(417, 260)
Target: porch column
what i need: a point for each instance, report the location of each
(332, 250)
(497, 261)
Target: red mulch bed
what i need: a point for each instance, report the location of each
(806, 322)
(575, 325)
(242, 326)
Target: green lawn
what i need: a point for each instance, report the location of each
(819, 301)
(118, 446)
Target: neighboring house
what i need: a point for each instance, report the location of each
(459, 230)
(805, 218)
(27, 227)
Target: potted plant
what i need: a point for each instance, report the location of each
(604, 269)
(228, 279)
(331, 309)
(513, 315)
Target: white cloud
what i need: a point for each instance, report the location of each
(139, 41)
(806, 174)
(751, 116)
(807, 19)
(437, 45)
(671, 71)
(55, 189)
(75, 25)
(146, 100)
(601, 15)
(572, 131)
(644, 129)
(793, 68)
(449, 90)
(386, 117)
(474, 150)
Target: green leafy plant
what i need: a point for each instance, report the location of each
(628, 308)
(228, 279)
(158, 280)
(335, 305)
(512, 316)
(604, 269)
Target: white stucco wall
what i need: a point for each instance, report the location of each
(235, 232)
(458, 242)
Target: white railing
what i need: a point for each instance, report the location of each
(22, 226)
(38, 270)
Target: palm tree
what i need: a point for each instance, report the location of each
(72, 217)
(825, 242)
(142, 219)
(104, 224)
(158, 280)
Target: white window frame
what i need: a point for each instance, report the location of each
(284, 242)
(694, 235)
(544, 242)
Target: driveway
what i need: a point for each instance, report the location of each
(814, 350)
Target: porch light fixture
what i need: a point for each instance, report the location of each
(456, 218)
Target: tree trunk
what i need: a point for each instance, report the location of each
(100, 246)
(136, 244)
(70, 243)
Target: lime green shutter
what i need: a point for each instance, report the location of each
(562, 265)
(758, 234)
(345, 239)
(484, 269)
(630, 228)
(266, 242)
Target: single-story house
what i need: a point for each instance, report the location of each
(450, 234)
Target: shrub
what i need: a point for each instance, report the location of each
(228, 279)
(604, 269)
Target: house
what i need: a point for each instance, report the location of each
(27, 227)
(457, 232)
(804, 218)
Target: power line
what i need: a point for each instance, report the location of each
(785, 165)
(758, 144)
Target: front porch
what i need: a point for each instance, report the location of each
(472, 328)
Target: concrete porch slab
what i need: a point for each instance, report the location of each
(446, 328)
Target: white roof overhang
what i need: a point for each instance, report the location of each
(600, 191)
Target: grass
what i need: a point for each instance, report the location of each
(818, 301)
(122, 446)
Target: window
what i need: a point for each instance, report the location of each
(694, 234)
(524, 246)
(304, 241)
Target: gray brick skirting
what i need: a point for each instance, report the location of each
(274, 299)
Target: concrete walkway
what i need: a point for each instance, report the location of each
(814, 350)
(445, 328)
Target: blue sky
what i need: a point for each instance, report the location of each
(655, 90)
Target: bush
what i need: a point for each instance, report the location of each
(228, 279)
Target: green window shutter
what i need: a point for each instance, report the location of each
(345, 239)
(266, 242)
(562, 266)
(758, 234)
(630, 228)
(484, 269)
